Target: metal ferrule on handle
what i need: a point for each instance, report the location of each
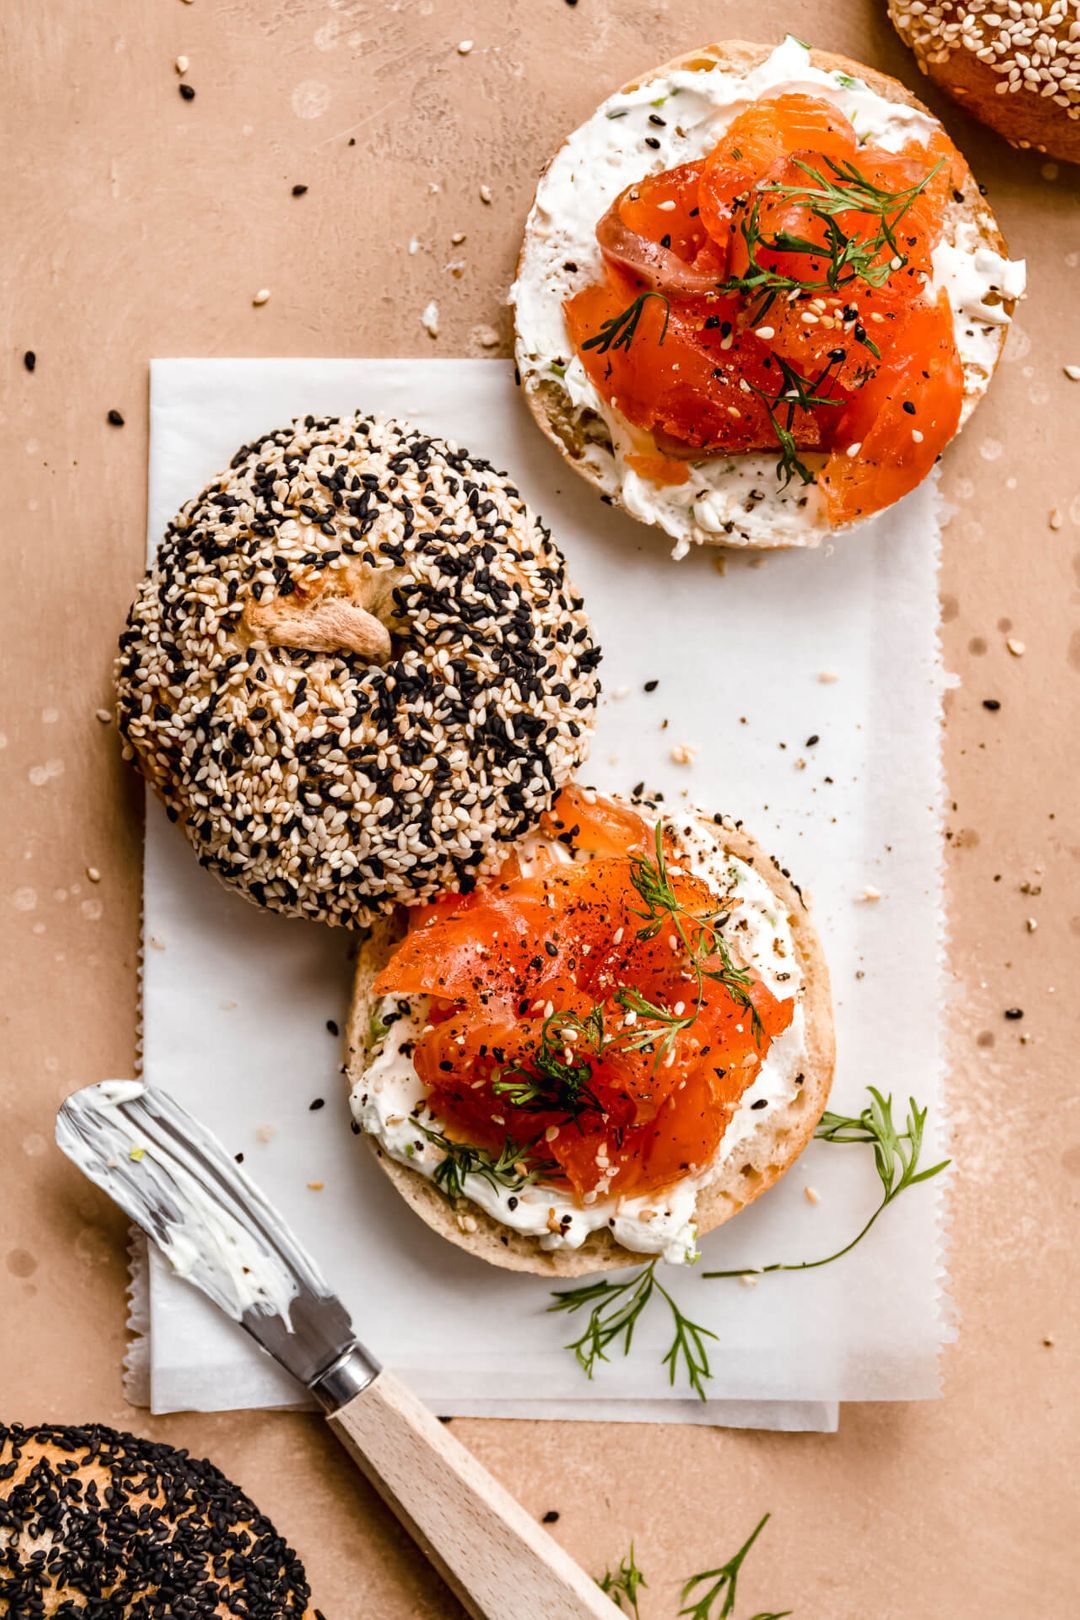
(349, 1375)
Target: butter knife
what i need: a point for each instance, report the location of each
(173, 1178)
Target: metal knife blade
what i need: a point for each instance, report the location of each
(174, 1179)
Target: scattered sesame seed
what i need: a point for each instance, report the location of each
(1017, 648)
(316, 1186)
(299, 191)
(93, 874)
(29, 359)
(261, 297)
(993, 704)
(870, 894)
(181, 64)
(114, 419)
(765, 333)
(464, 47)
(853, 449)
(265, 1133)
(104, 715)
(811, 1195)
(683, 754)
(552, 1516)
(485, 194)
(187, 92)
(429, 318)
(827, 677)
(1031, 923)
(650, 686)
(1055, 519)
(1013, 1013)
(1072, 372)
(457, 238)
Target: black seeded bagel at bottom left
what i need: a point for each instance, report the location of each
(356, 672)
(103, 1525)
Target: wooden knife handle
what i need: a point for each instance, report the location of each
(494, 1557)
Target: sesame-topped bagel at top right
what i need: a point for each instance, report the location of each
(356, 672)
(759, 293)
(1014, 64)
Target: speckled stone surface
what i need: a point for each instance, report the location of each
(148, 224)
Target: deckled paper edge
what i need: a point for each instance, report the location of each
(947, 1307)
(135, 1365)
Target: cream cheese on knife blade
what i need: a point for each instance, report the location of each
(561, 256)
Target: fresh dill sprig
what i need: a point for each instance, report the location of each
(619, 331)
(700, 937)
(510, 1168)
(724, 1585)
(896, 1159)
(837, 188)
(624, 1582)
(616, 1308)
(796, 392)
(614, 1312)
(558, 1078)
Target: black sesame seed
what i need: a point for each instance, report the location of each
(187, 91)
(29, 359)
(650, 686)
(299, 191)
(315, 1104)
(651, 140)
(908, 407)
(810, 741)
(332, 1028)
(993, 704)
(655, 118)
(114, 419)
(1014, 1012)
(551, 1516)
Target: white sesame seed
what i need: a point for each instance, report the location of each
(261, 297)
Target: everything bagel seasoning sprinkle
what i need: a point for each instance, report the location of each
(322, 783)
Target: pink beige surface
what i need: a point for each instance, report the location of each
(139, 223)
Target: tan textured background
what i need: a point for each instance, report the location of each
(138, 224)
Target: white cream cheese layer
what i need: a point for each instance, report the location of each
(387, 1096)
(736, 496)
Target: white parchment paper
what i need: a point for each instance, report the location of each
(839, 777)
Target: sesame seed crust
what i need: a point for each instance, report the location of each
(98, 1523)
(328, 782)
(1013, 63)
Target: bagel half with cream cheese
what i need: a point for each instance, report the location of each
(544, 1228)
(675, 116)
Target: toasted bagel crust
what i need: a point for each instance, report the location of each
(571, 433)
(772, 1150)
